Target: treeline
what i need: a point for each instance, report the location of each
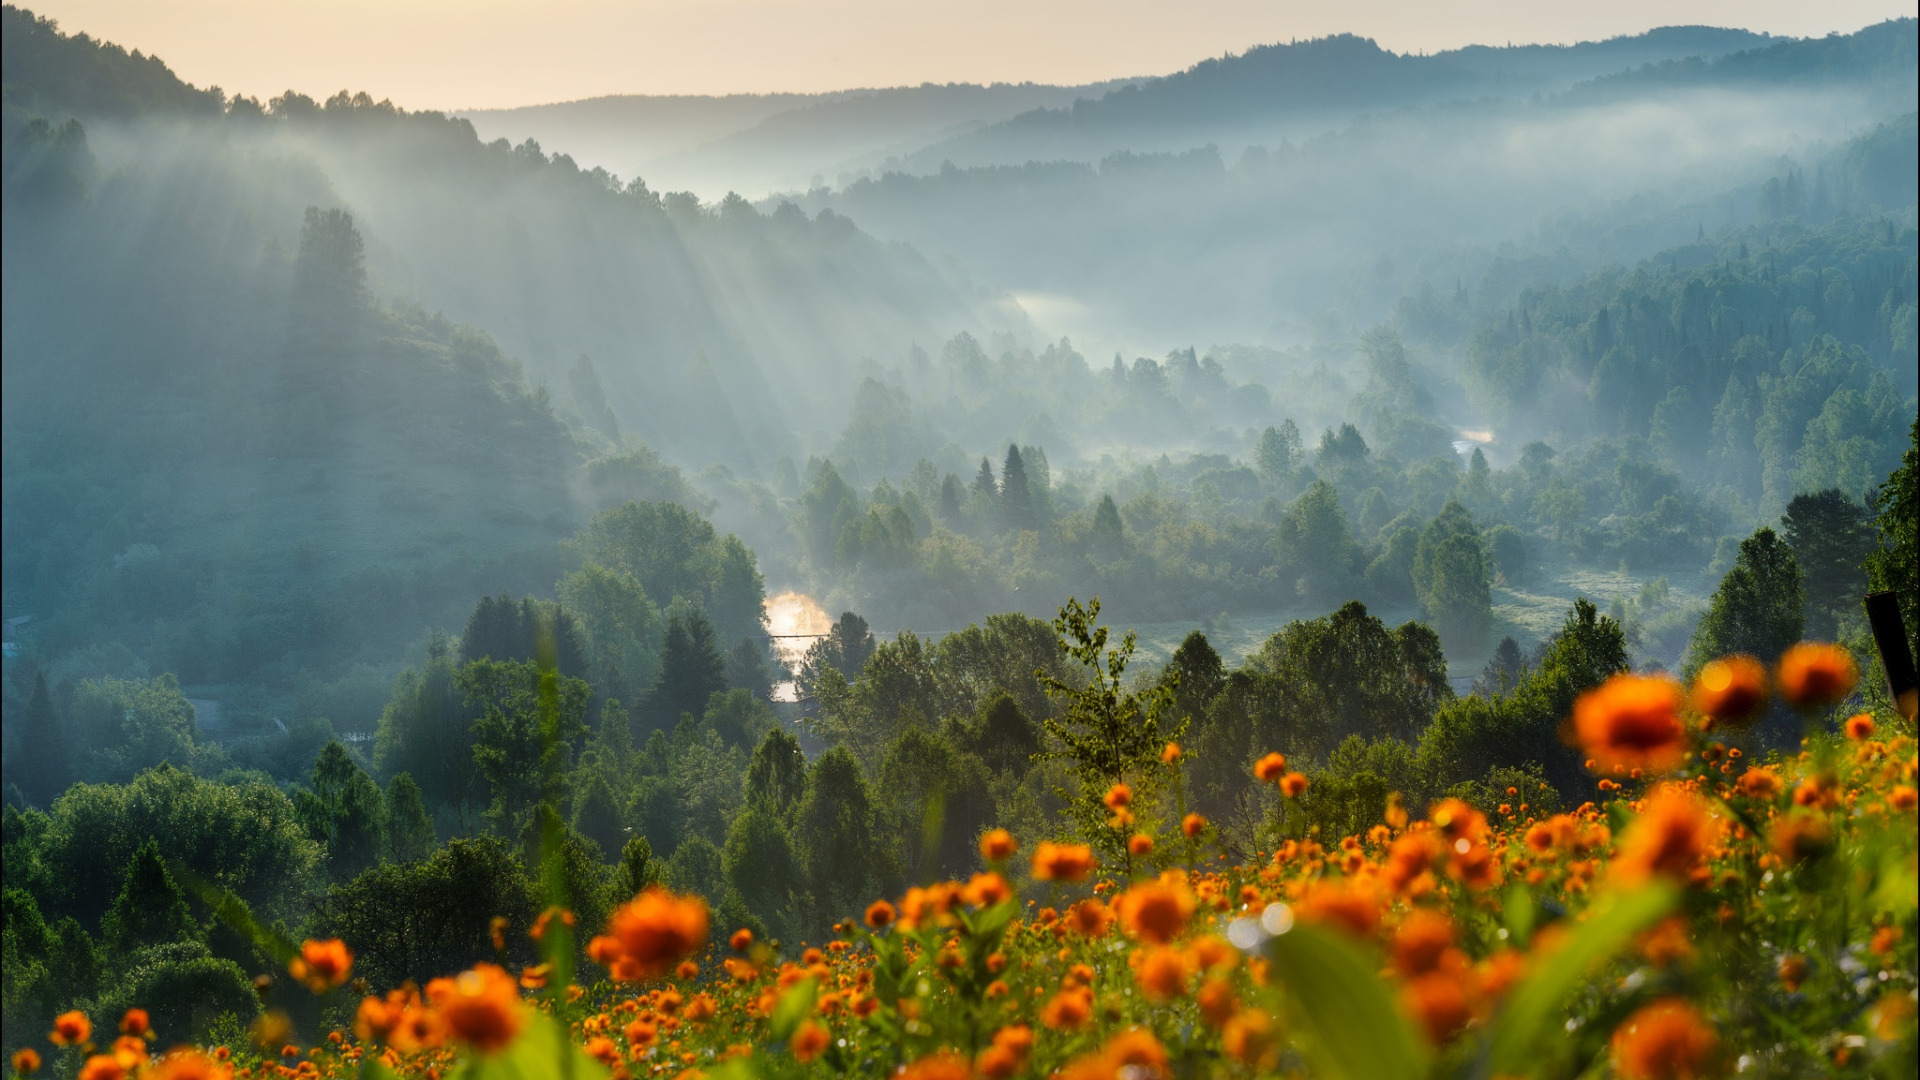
(922, 746)
(1782, 359)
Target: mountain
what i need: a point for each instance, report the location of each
(754, 143)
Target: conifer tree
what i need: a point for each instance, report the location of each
(151, 908)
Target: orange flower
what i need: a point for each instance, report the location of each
(880, 915)
(1792, 971)
(1170, 754)
(1860, 727)
(1667, 1040)
(1249, 1038)
(1193, 825)
(1293, 785)
(103, 1067)
(997, 845)
(988, 889)
(601, 1049)
(1008, 1053)
(1439, 1002)
(1157, 911)
(71, 1029)
(702, 1008)
(1139, 844)
(1117, 796)
(809, 1041)
(1348, 905)
(135, 1022)
(26, 1061)
(939, 1065)
(650, 934)
(1632, 722)
(1068, 1010)
(1160, 972)
(1731, 690)
(322, 965)
(1800, 836)
(1814, 674)
(1419, 942)
(1670, 837)
(1217, 1002)
(1089, 917)
(1062, 862)
(480, 1007)
(1904, 797)
(742, 940)
(1759, 782)
(1270, 768)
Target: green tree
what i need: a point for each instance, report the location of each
(243, 836)
(597, 815)
(1196, 672)
(426, 730)
(691, 669)
(638, 868)
(841, 853)
(777, 778)
(416, 921)
(845, 649)
(1895, 566)
(1105, 733)
(1279, 454)
(933, 797)
(151, 908)
(1831, 536)
(623, 627)
(1016, 496)
(187, 992)
(697, 866)
(1759, 608)
(1316, 547)
(1348, 674)
(41, 766)
(1004, 737)
(345, 812)
(1106, 540)
(760, 864)
(410, 832)
(519, 747)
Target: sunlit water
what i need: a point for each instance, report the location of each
(795, 621)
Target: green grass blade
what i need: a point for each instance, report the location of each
(1357, 1030)
(1533, 1007)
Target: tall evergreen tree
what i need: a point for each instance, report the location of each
(1107, 539)
(41, 769)
(1831, 536)
(410, 832)
(1759, 608)
(691, 669)
(1016, 497)
(151, 908)
(777, 775)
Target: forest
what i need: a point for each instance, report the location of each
(1198, 520)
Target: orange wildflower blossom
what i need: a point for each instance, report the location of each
(1062, 862)
(480, 1007)
(1170, 753)
(322, 965)
(71, 1029)
(104, 1067)
(1293, 785)
(1089, 917)
(1192, 826)
(137, 1023)
(741, 941)
(1671, 837)
(187, 1063)
(1667, 1040)
(650, 934)
(1139, 844)
(1859, 728)
(880, 915)
(1270, 768)
(26, 1061)
(1814, 675)
(1730, 691)
(1157, 911)
(1161, 972)
(1632, 722)
(1133, 1054)
(997, 845)
(809, 1042)
(1251, 1039)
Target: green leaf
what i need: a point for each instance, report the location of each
(795, 1005)
(1533, 1007)
(1357, 1029)
(1519, 912)
(542, 1052)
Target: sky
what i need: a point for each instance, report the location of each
(472, 54)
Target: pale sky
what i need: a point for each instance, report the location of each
(454, 54)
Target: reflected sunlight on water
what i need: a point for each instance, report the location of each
(794, 621)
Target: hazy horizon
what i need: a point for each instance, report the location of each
(415, 54)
